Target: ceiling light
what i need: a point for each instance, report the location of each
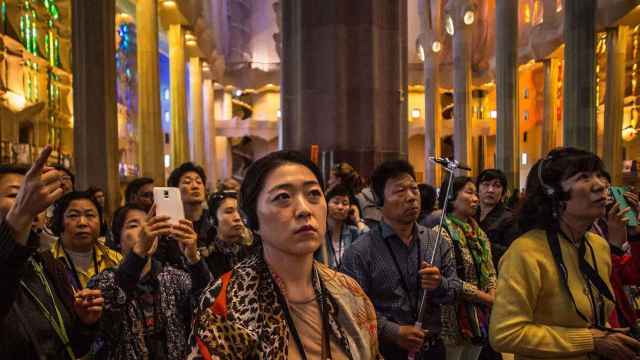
(415, 113)
(449, 25)
(436, 46)
(469, 17)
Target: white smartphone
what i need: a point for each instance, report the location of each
(168, 203)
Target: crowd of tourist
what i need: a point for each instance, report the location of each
(284, 266)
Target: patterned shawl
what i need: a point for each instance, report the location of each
(239, 316)
(470, 235)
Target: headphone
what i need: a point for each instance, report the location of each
(218, 197)
(556, 196)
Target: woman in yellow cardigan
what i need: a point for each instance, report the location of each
(553, 295)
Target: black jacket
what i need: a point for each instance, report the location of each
(501, 229)
(25, 333)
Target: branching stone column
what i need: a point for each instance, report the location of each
(614, 102)
(149, 118)
(344, 79)
(549, 125)
(507, 127)
(179, 129)
(196, 126)
(579, 113)
(462, 36)
(432, 46)
(95, 133)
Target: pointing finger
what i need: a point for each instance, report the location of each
(40, 162)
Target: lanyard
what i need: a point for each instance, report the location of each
(326, 339)
(57, 324)
(337, 255)
(405, 282)
(72, 266)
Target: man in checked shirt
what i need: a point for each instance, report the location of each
(392, 265)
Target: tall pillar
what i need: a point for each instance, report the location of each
(462, 37)
(149, 116)
(550, 121)
(179, 129)
(209, 118)
(614, 101)
(94, 101)
(433, 112)
(340, 88)
(579, 112)
(507, 126)
(197, 129)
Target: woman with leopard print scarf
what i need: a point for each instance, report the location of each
(280, 303)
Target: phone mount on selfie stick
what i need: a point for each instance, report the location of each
(449, 166)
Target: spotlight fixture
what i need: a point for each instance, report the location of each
(449, 26)
(469, 17)
(436, 46)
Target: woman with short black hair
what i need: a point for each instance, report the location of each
(279, 303)
(148, 306)
(554, 294)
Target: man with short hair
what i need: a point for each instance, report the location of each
(393, 265)
(140, 192)
(493, 216)
(190, 179)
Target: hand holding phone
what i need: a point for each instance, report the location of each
(617, 192)
(168, 203)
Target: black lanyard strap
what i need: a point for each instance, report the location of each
(590, 275)
(324, 313)
(403, 281)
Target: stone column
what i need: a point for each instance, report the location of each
(150, 155)
(197, 129)
(614, 101)
(507, 126)
(210, 161)
(550, 122)
(579, 112)
(462, 37)
(341, 88)
(179, 129)
(95, 130)
(433, 112)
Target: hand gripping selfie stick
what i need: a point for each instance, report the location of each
(449, 166)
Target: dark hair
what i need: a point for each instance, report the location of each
(60, 206)
(177, 173)
(68, 172)
(134, 186)
(348, 176)
(257, 174)
(540, 209)
(119, 217)
(606, 175)
(457, 185)
(338, 190)
(215, 200)
(6, 169)
(388, 170)
(490, 175)
(93, 190)
(427, 198)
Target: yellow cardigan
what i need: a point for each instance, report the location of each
(532, 316)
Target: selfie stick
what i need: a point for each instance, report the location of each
(450, 166)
